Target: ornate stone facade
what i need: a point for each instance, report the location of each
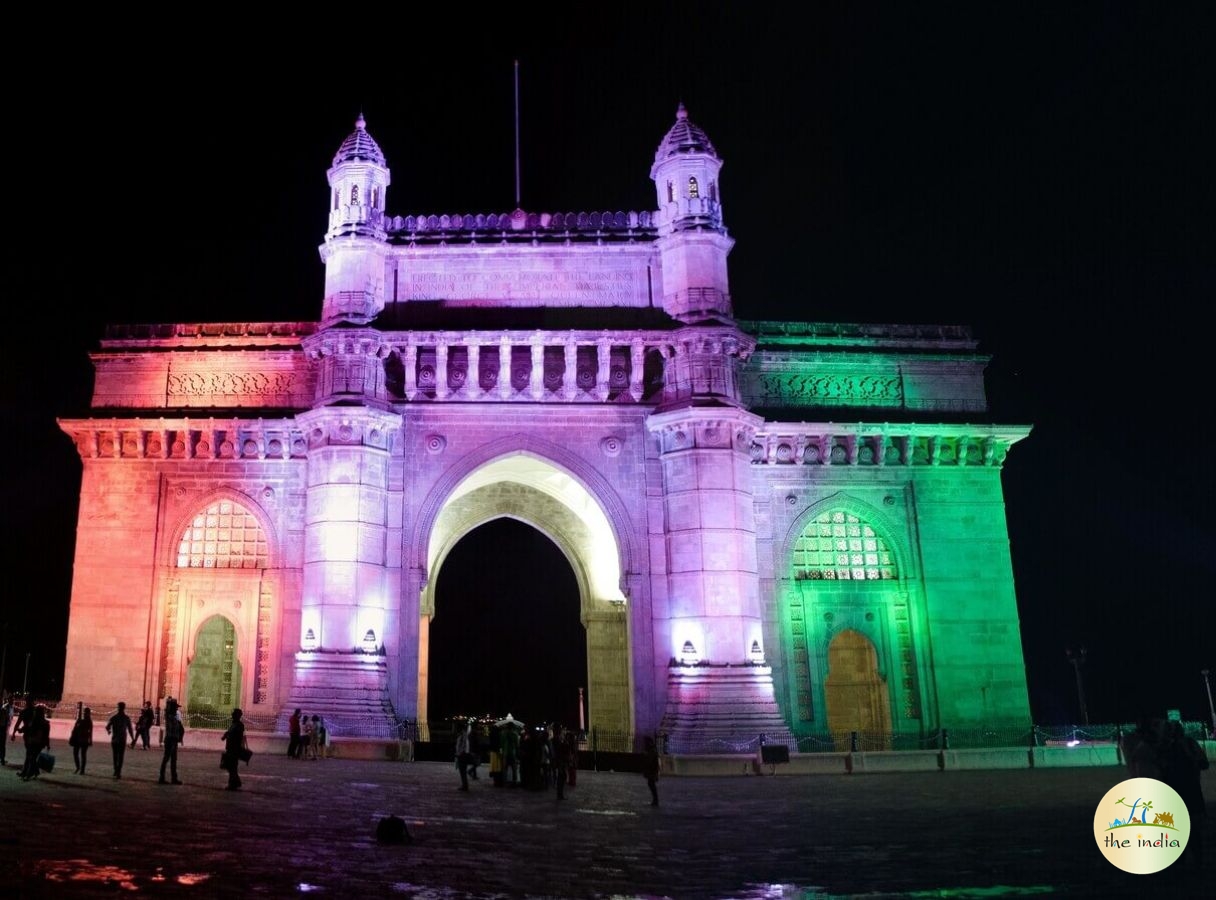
(783, 527)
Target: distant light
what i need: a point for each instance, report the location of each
(369, 641)
(1074, 742)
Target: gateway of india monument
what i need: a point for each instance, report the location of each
(789, 528)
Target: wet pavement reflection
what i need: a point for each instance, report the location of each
(308, 828)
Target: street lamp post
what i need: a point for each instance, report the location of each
(1077, 658)
(1211, 706)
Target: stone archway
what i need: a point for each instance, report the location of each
(538, 493)
(213, 677)
(855, 693)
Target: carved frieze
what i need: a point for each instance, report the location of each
(248, 384)
(826, 389)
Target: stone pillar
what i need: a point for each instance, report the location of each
(603, 375)
(570, 374)
(504, 367)
(410, 362)
(713, 586)
(637, 365)
(345, 590)
(441, 370)
(536, 383)
(472, 379)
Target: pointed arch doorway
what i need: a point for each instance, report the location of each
(506, 635)
(213, 679)
(856, 694)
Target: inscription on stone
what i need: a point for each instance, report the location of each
(586, 285)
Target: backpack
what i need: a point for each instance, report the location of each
(392, 830)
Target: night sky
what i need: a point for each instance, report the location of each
(1041, 174)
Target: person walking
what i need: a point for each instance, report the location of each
(120, 728)
(143, 726)
(463, 754)
(82, 739)
(234, 743)
(175, 733)
(37, 736)
(650, 769)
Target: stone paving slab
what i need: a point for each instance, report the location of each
(307, 828)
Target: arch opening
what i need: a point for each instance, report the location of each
(506, 635)
(533, 490)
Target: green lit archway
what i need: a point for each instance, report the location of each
(849, 572)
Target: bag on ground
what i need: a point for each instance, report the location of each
(392, 830)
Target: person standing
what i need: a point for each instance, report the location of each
(322, 737)
(37, 738)
(293, 731)
(1182, 759)
(463, 755)
(6, 716)
(82, 739)
(510, 754)
(307, 733)
(650, 769)
(561, 759)
(234, 743)
(572, 748)
(143, 726)
(175, 733)
(119, 728)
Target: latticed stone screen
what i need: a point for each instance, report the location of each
(839, 546)
(225, 536)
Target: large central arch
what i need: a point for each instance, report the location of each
(534, 490)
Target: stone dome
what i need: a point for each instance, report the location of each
(684, 137)
(360, 146)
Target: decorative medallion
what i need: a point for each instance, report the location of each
(435, 443)
(612, 445)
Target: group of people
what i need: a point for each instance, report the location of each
(121, 728)
(308, 738)
(33, 724)
(537, 758)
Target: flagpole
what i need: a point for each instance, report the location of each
(517, 194)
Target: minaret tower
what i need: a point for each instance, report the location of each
(349, 611)
(693, 242)
(719, 686)
(355, 245)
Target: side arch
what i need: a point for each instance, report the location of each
(889, 614)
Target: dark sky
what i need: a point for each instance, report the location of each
(1042, 173)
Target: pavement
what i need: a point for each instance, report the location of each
(303, 827)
